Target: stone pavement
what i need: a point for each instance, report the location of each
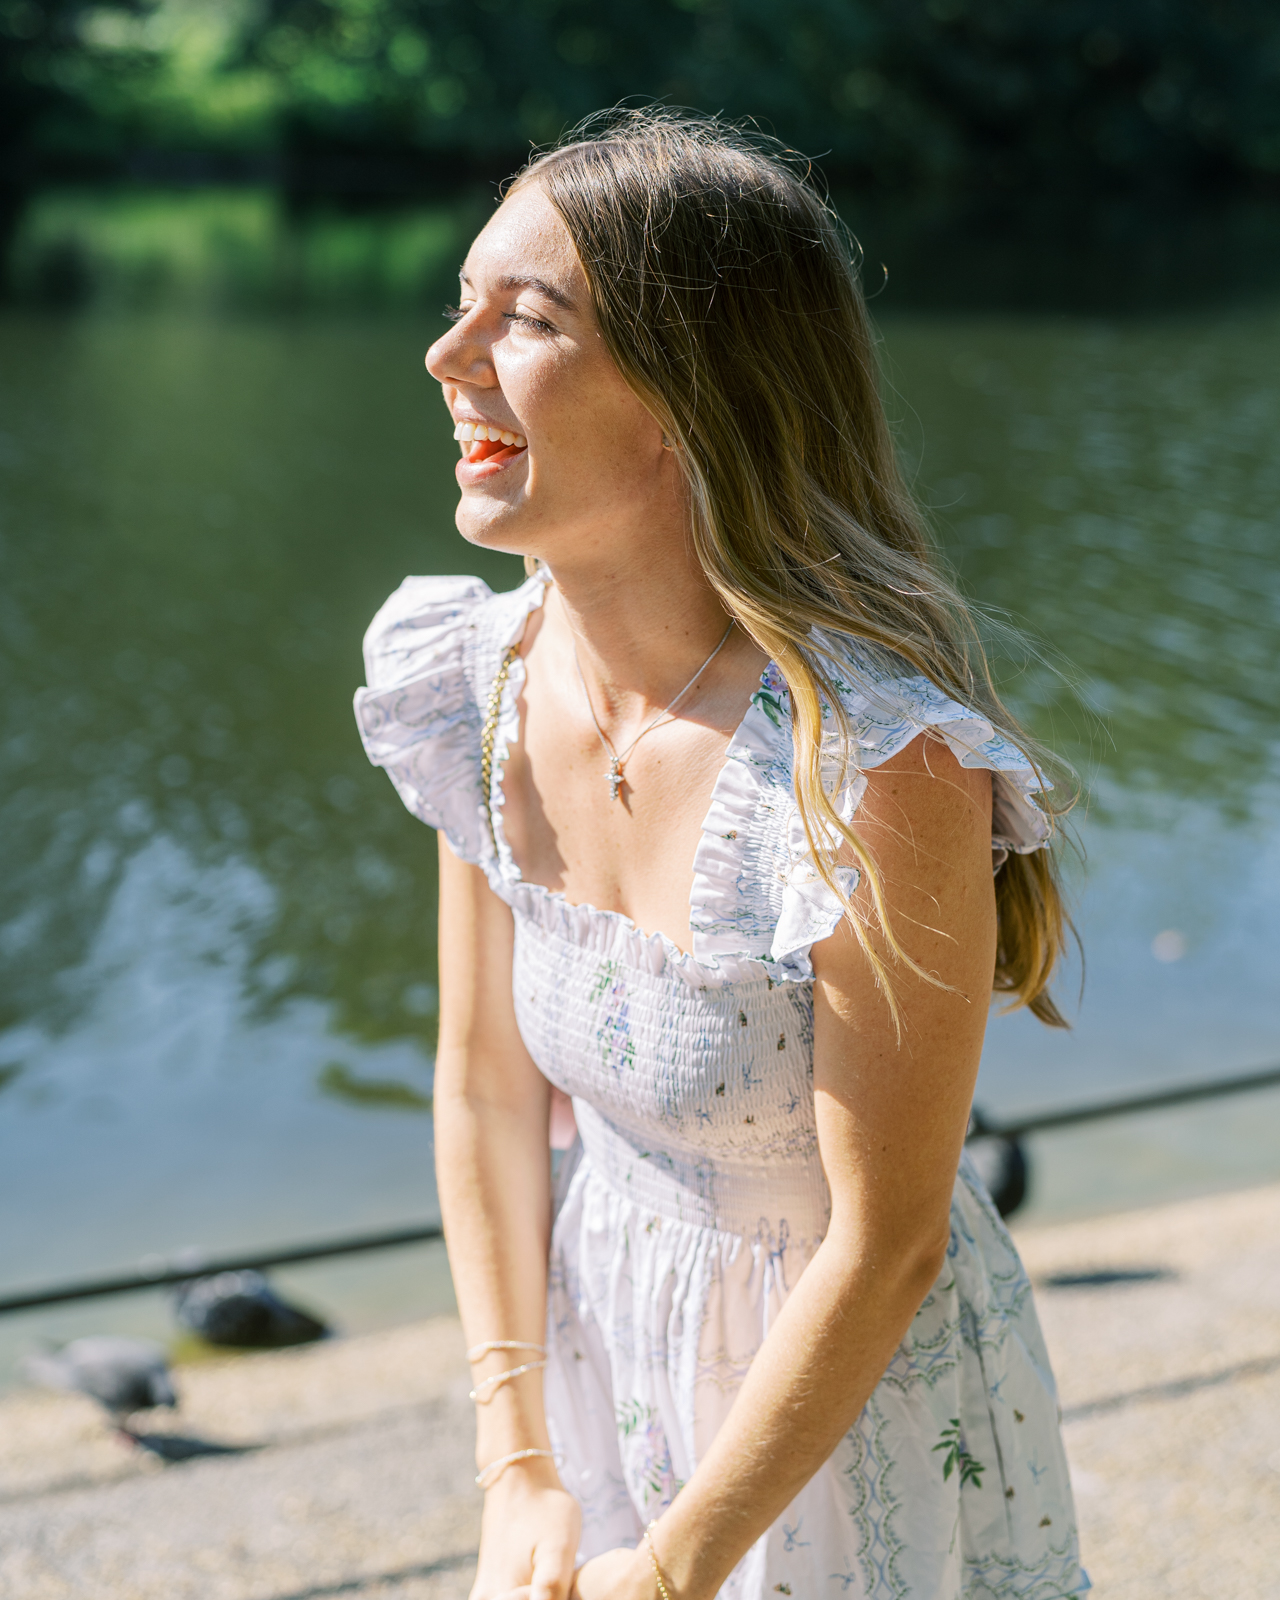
(1167, 1352)
(345, 1469)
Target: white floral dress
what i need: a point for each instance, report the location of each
(695, 1195)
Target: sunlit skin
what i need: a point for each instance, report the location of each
(600, 500)
(525, 352)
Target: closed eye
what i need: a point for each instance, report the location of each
(456, 314)
(532, 322)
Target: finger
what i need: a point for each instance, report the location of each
(520, 1592)
(552, 1572)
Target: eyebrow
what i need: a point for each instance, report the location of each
(556, 296)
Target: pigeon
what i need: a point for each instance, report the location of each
(241, 1309)
(122, 1375)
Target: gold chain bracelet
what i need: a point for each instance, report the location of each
(653, 1559)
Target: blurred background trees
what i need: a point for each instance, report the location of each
(375, 99)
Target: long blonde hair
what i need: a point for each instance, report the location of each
(727, 294)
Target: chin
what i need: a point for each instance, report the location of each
(490, 532)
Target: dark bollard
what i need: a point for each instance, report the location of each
(1001, 1163)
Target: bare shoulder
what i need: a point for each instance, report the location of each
(925, 823)
(923, 794)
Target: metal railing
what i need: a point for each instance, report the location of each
(191, 1264)
(1260, 1079)
(188, 1265)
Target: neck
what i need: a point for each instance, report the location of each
(640, 630)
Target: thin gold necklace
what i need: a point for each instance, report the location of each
(615, 776)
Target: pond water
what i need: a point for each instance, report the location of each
(216, 921)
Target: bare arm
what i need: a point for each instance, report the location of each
(493, 1173)
(891, 1118)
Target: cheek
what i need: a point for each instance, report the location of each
(567, 393)
(548, 394)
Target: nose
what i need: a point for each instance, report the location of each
(461, 355)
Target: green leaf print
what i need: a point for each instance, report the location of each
(957, 1457)
(770, 705)
(632, 1415)
(603, 979)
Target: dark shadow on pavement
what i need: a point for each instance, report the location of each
(403, 1575)
(1107, 1277)
(1174, 1389)
(185, 1447)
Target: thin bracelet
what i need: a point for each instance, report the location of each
(502, 1377)
(657, 1570)
(498, 1467)
(477, 1352)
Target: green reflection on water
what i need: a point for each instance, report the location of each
(388, 1094)
(1115, 489)
(211, 249)
(200, 516)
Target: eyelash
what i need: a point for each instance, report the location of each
(456, 314)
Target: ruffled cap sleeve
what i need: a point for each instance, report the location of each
(757, 890)
(418, 717)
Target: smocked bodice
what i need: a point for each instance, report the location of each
(696, 1099)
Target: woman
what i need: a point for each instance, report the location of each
(720, 792)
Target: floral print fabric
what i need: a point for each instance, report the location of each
(695, 1195)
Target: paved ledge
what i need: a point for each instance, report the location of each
(345, 1469)
(1169, 1376)
(340, 1469)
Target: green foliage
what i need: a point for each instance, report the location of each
(377, 97)
(922, 93)
(44, 116)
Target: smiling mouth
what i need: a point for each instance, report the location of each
(485, 443)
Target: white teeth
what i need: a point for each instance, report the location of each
(467, 432)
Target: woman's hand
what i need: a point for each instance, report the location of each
(616, 1575)
(528, 1541)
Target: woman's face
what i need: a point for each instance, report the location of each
(525, 358)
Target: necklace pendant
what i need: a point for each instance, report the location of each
(614, 777)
